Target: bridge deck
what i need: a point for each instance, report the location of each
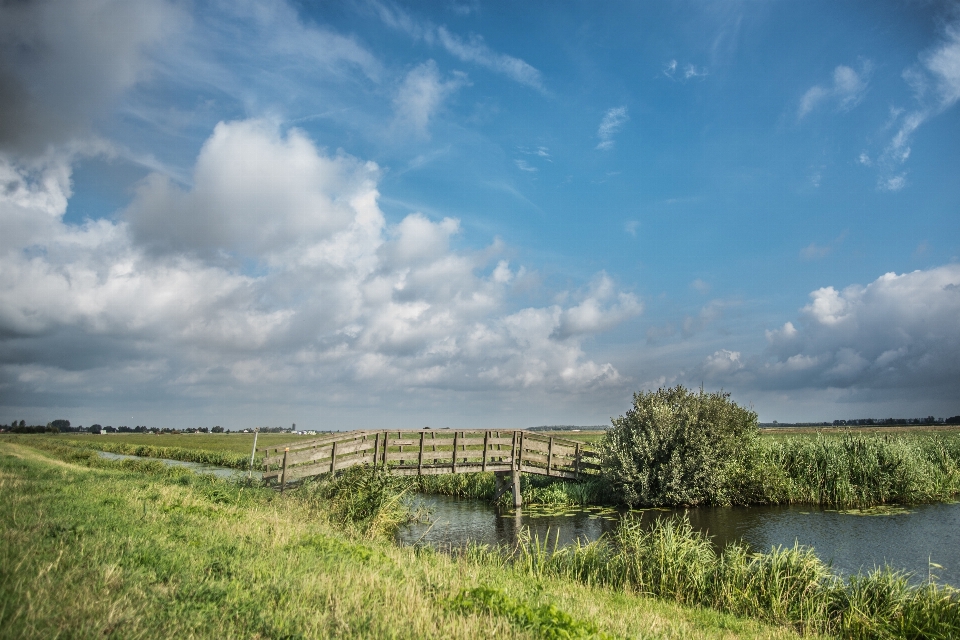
(432, 452)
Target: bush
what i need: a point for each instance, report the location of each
(679, 447)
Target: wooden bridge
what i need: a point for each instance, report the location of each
(432, 452)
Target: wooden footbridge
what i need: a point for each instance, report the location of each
(432, 452)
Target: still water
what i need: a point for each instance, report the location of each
(906, 538)
(198, 467)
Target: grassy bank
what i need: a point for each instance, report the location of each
(219, 449)
(134, 550)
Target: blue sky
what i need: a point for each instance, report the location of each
(471, 214)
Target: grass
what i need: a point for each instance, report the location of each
(789, 586)
(851, 470)
(191, 447)
(132, 549)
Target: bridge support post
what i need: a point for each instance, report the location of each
(517, 500)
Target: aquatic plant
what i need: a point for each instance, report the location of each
(790, 586)
(366, 499)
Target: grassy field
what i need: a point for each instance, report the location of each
(131, 549)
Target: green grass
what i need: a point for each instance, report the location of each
(92, 548)
(784, 586)
(851, 470)
(215, 449)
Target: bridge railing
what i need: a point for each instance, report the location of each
(431, 452)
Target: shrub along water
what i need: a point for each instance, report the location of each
(785, 586)
(678, 447)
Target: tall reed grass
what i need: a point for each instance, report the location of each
(849, 471)
(788, 586)
(533, 489)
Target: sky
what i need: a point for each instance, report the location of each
(369, 214)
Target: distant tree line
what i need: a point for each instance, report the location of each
(63, 426)
(871, 422)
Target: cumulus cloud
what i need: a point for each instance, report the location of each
(274, 272)
(422, 93)
(846, 90)
(898, 333)
(61, 64)
(612, 122)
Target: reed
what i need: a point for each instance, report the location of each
(533, 489)
(788, 586)
(850, 471)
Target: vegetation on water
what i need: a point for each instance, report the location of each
(785, 586)
(679, 447)
(135, 549)
(534, 489)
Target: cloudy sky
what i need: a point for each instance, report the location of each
(465, 214)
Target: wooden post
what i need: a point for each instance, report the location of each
(420, 458)
(517, 499)
(283, 474)
(455, 434)
(386, 442)
(376, 449)
(433, 439)
(333, 457)
(486, 436)
(577, 462)
(549, 454)
(253, 452)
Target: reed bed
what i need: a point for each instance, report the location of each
(850, 471)
(533, 489)
(788, 586)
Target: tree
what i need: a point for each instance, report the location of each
(678, 447)
(217, 429)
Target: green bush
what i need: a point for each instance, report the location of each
(679, 447)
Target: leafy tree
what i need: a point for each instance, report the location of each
(61, 425)
(678, 447)
(217, 429)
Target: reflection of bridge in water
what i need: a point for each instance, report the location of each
(433, 452)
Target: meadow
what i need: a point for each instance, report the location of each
(133, 549)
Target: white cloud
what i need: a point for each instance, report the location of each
(898, 334)
(847, 90)
(523, 165)
(473, 49)
(476, 50)
(936, 85)
(631, 227)
(422, 93)
(275, 273)
(687, 71)
(612, 121)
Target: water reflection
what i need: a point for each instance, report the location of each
(906, 539)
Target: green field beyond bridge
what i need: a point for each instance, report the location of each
(434, 452)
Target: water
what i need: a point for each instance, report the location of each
(198, 467)
(906, 539)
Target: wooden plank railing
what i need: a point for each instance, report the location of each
(431, 452)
